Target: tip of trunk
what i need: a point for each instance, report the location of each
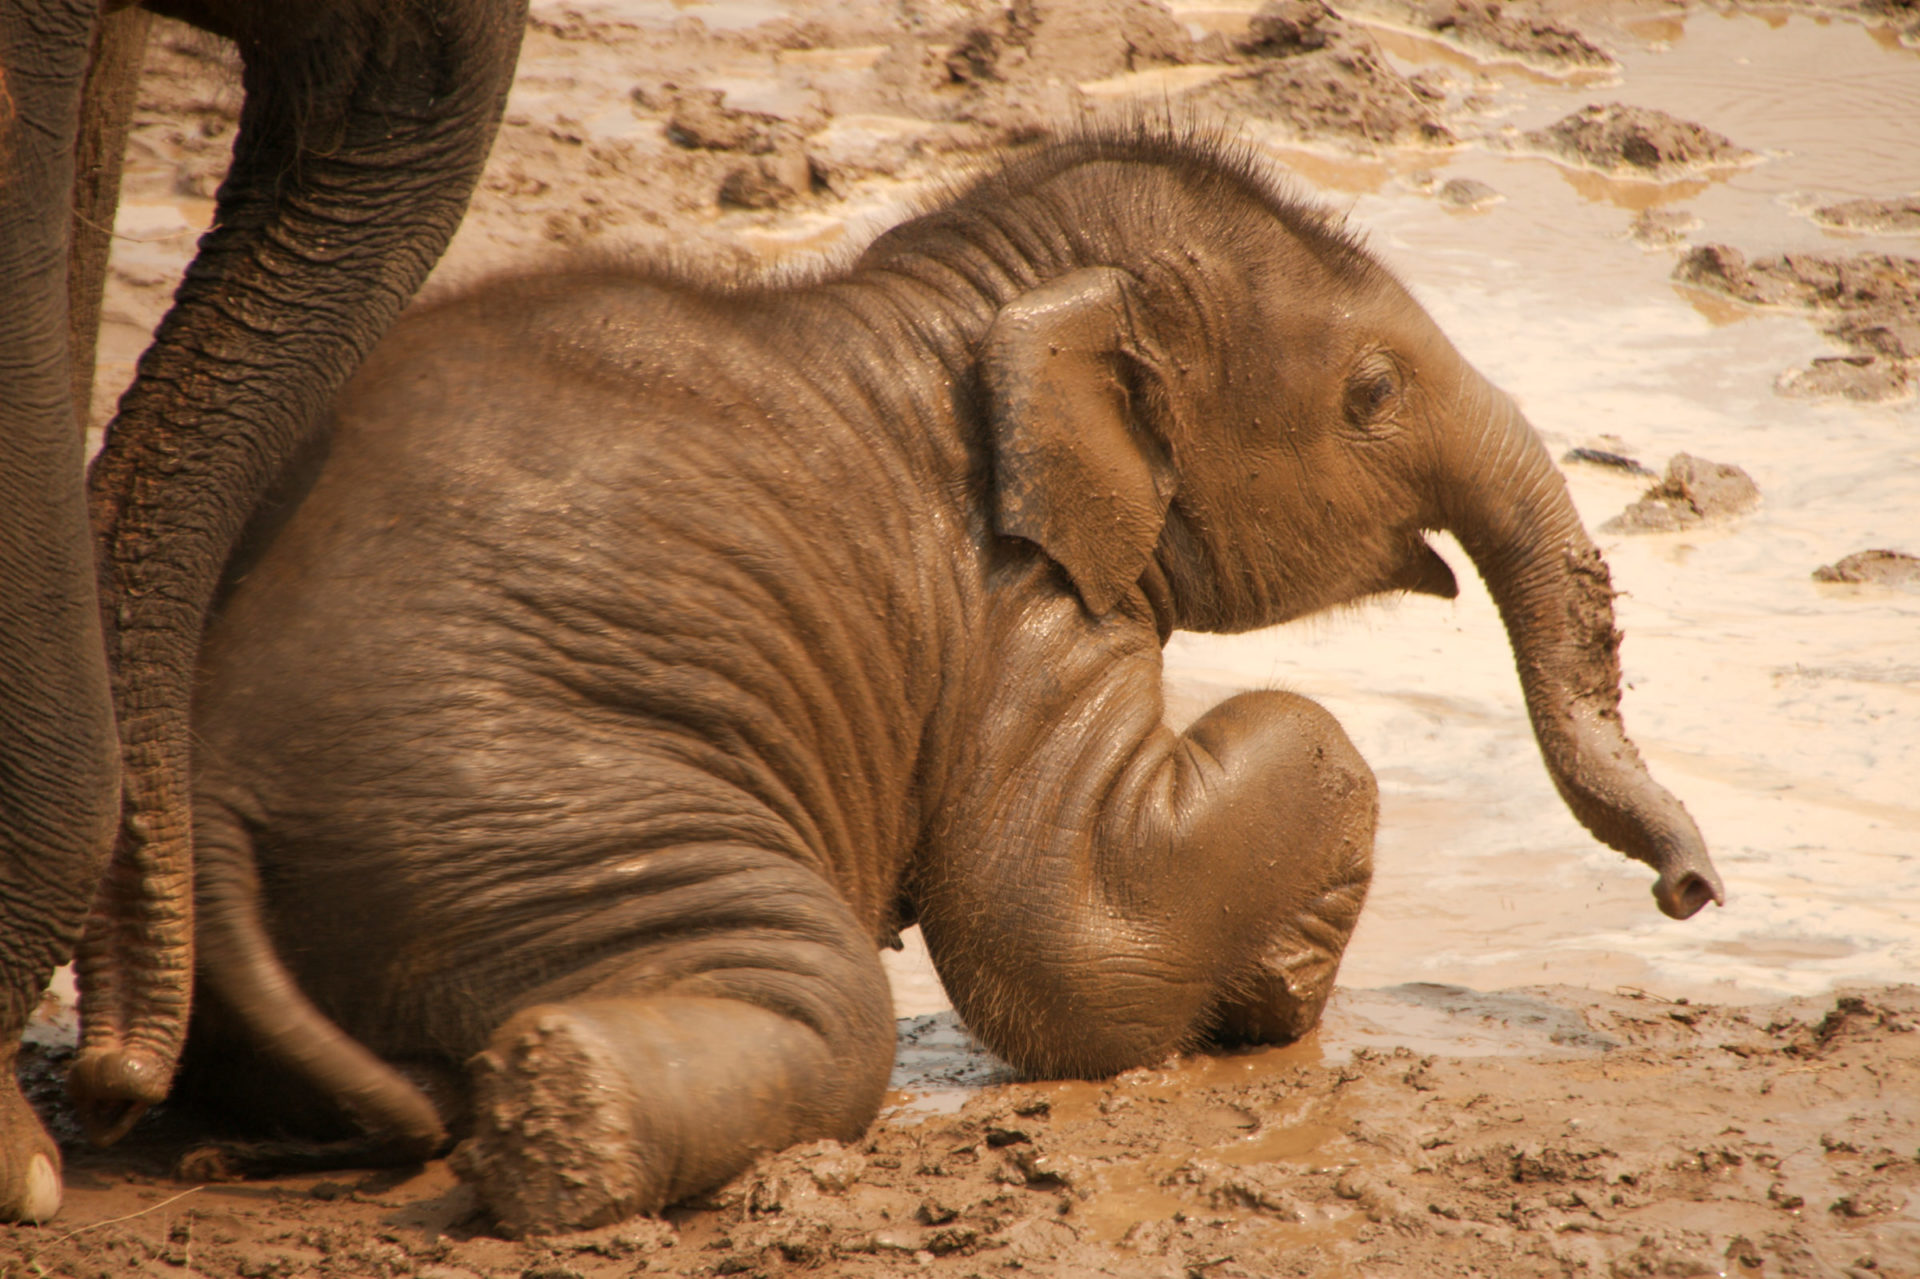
(1683, 891)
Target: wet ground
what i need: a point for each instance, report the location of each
(1428, 1128)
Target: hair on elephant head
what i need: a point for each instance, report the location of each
(643, 650)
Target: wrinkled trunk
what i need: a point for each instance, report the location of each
(362, 135)
(1510, 509)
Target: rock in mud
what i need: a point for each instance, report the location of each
(1496, 32)
(1885, 568)
(1693, 492)
(1467, 195)
(1346, 92)
(1899, 215)
(1609, 459)
(1662, 228)
(1636, 142)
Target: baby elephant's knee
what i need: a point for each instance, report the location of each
(1300, 748)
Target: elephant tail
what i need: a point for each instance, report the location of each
(239, 966)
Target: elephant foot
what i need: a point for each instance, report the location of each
(554, 1140)
(29, 1161)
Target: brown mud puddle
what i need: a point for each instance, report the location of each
(1607, 1134)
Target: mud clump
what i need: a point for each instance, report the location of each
(1881, 567)
(1662, 228)
(1346, 91)
(1899, 215)
(1693, 492)
(1496, 32)
(1636, 142)
(1283, 28)
(1871, 301)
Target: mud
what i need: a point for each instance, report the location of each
(1897, 216)
(1867, 302)
(1882, 567)
(1637, 1136)
(1693, 491)
(1490, 30)
(1638, 142)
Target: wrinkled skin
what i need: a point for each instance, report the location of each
(364, 128)
(641, 654)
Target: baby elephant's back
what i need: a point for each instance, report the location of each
(543, 605)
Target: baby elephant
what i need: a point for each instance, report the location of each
(646, 650)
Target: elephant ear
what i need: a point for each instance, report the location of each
(1075, 471)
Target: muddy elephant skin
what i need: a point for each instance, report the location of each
(364, 127)
(644, 651)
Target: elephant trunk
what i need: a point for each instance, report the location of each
(1507, 503)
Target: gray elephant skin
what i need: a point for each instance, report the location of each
(363, 131)
(644, 652)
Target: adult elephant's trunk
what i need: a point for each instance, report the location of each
(1508, 505)
(363, 132)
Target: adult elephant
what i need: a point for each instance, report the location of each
(364, 129)
(643, 653)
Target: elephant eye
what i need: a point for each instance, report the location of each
(1371, 390)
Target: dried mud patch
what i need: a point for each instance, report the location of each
(1881, 567)
(1657, 1138)
(1896, 215)
(1867, 302)
(1490, 31)
(1635, 142)
(1347, 92)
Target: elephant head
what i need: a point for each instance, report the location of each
(1262, 423)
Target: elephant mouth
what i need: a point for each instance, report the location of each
(1423, 572)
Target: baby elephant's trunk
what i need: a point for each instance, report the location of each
(1509, 507)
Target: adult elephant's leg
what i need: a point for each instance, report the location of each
(58, 773)
(113, 81)
(750, 1014)
(1101, 891)
(363, 132)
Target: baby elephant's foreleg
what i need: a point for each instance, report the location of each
(1129, 895)
(761, 1020)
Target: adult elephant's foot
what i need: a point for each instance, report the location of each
(554, 1135)
(29, 1161)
